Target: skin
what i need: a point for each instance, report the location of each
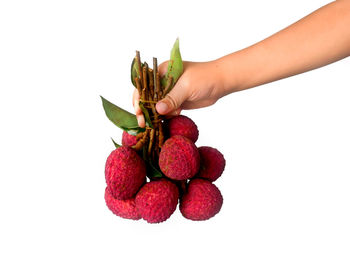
(316, 40)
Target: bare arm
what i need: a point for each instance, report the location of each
(314, 41)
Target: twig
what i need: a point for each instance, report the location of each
(151, 83)
(156, 84)
(144, 82)
(151, 140)
(139, 136)
(140, 143)
(159, 87)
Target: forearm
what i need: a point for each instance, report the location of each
(316, 40)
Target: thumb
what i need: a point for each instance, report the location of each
(173, 100)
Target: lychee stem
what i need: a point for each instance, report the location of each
(151, 141)
(151, 91)
(141, 142)
(144, 83)
(156, 83)
(151, 83)
(139, 136)
(159, 87)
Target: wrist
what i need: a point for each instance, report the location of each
(220, 85)
(228, 74)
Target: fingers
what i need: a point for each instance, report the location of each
(139, 115)
(170, 105)
(174, 113)
(141, 121)
(162, 68)
(172, 102)
(135, 102)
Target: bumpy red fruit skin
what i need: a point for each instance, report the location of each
(212, 163)
(123, 208)
(202, 201)
(182, 125)
(179, 158)
(157, 200)
(128, 139)
(125, 172)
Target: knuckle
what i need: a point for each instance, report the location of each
(173, 102)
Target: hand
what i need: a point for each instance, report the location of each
(305, 45)
(199, 86)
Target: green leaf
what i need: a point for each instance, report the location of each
(122, 118)
(134, 71)
(153, 171)
(175, 66)
(115, 144)
(146, 114)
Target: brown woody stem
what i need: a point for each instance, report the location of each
(151, 91)
(156, 84)
(140, 143)
(144, 83)
(151, 141)
(151, 83)
(159, 87)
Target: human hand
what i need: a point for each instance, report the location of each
(199, 86)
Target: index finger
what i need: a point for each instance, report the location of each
(139, 115)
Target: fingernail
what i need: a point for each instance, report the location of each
(137, 110)
(140, 121)
(162, 107)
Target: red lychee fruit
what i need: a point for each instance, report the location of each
(123, 208)
(212, 163)
(179, 158)
(182, 125)
(128, 139)
(157, 200)
(125, 172)
(202, 200)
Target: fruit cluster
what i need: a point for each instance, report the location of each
(189, 174)
(159, 165)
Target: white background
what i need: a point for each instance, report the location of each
(287, 147)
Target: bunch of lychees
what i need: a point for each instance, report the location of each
(160, 166)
